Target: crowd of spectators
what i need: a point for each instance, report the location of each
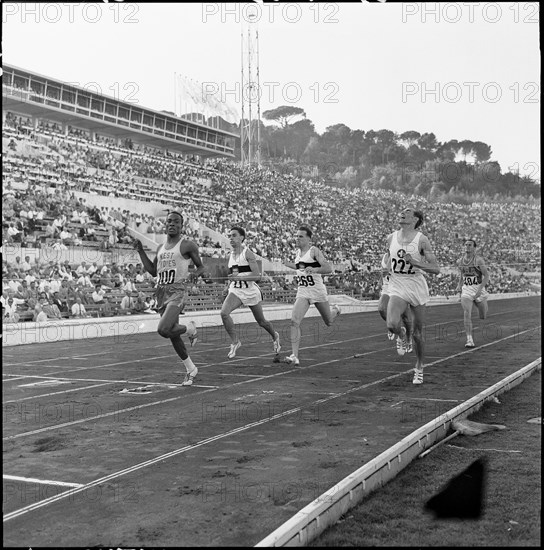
(39, 180)
(45, 167)
(58, 290)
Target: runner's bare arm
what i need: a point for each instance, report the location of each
(480, 264)
(254, 275)
(325, 268)
(460, 285)
(389, 239)
(430, 265)
(149, 266)
(189, 248)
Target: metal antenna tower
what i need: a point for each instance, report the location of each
(250, 126)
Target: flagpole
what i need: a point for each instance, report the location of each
(175, 93)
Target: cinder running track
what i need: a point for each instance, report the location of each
(229, 459)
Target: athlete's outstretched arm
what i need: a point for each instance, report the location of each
(149, 266)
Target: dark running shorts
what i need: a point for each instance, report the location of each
(170, 294)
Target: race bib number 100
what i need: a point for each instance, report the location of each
(167, 277)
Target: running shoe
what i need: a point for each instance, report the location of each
(470, 343)
(401, 342)
(233, 349)
(337, 309)
(390, 335)
(191, 333)
(292, 359)
(277, 345)
(189, 377)
(418, 376)
(409, 346)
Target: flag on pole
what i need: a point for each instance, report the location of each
(195, 98)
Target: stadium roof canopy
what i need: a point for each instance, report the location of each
(33, 95)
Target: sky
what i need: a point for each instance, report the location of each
(459, 70)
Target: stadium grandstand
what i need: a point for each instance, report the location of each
(85, 174)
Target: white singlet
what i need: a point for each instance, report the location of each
(247, 291)
(172, 273)
(407, 282)
(310, 285)
(472, 278)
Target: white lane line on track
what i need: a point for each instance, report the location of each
(48, 366)
(237, 374)
(107, 380)
(474, 449)
(431, 399)
(57, 358)
(105, 383)
(223, 346)
(42, 481)
(55, 393)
